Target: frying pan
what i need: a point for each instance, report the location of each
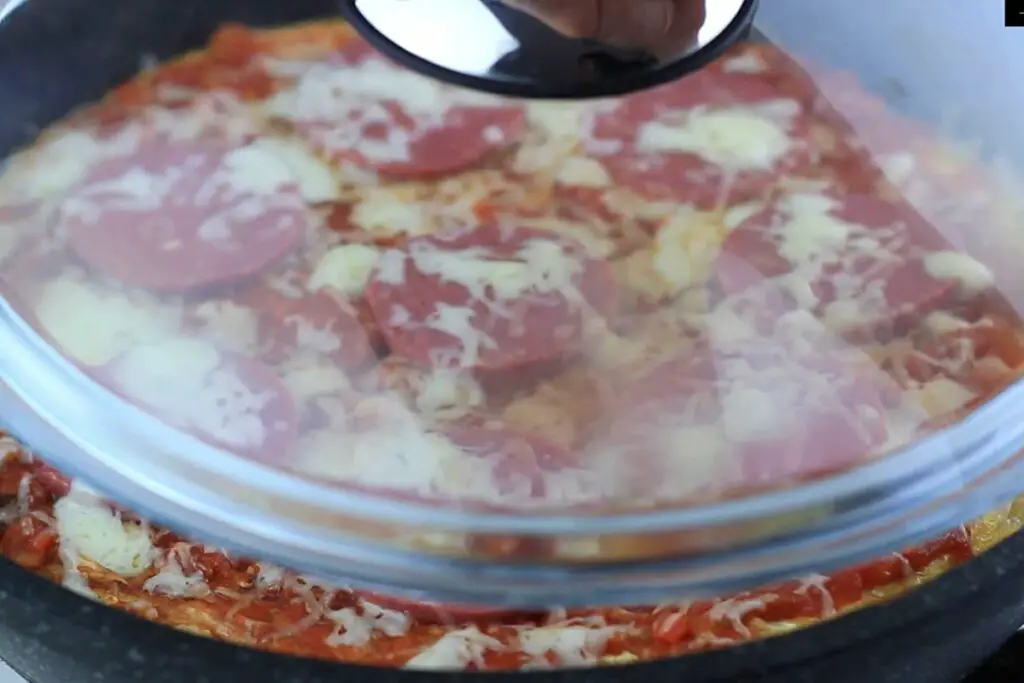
(935, 634)
(56, 54)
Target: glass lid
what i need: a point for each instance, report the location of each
(265, 286)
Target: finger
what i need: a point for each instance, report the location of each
(574, 18)
(687, 21)
(661, 26)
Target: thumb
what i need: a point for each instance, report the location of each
(656, 25)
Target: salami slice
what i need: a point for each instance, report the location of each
(824, 416)
(228, 400)
(489, 298)
(409, 145)
(521, 461)
(709, 140)
(663, 441)
(856, 261)
(386, 451)
(177, 215)
(363, 108)
(301, 323)
(749, 416)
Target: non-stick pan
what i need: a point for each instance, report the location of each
(56, 54)
(936, 634)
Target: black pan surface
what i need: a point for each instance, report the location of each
(936, 634)
(55, 54)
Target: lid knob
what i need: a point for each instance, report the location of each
(495, 46)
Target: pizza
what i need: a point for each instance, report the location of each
(291, 248)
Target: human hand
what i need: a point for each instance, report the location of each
(661, 27)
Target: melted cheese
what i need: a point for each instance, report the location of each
(751, 415)
(558, 130)
(456, 650)
(387, 211)
(457, 322)
(685, 248)
(88, 528)
(571, 645)
(733, 138)
(815, 241)
(309, 379)
(583, 172)
(59, 162)
(316, 179)
(407, 458)
(172, 579)
(541, 266)
(312, 337)
(941, 322)
(345, 268)
(255, 169)
(229, 326)
(355, 627)
(446, 393)
(735, 609)
(940, 396)
(728, 328)
(697, 458)
(94, 326)
(810, 231)
(185, 382)
(747, 63)
(970, 275)
(348, 99)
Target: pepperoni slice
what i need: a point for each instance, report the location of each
(855, 261)
(747, 417)
(399, 131)
(485, 464)
(654, 441)
(521, 459)
(462, 138)
(294, 322)
(825, 415)
(228, 400)
(670, 383)
(177, 215)
(709, 140)
(490, 298)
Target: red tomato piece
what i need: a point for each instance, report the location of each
(29, 542)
